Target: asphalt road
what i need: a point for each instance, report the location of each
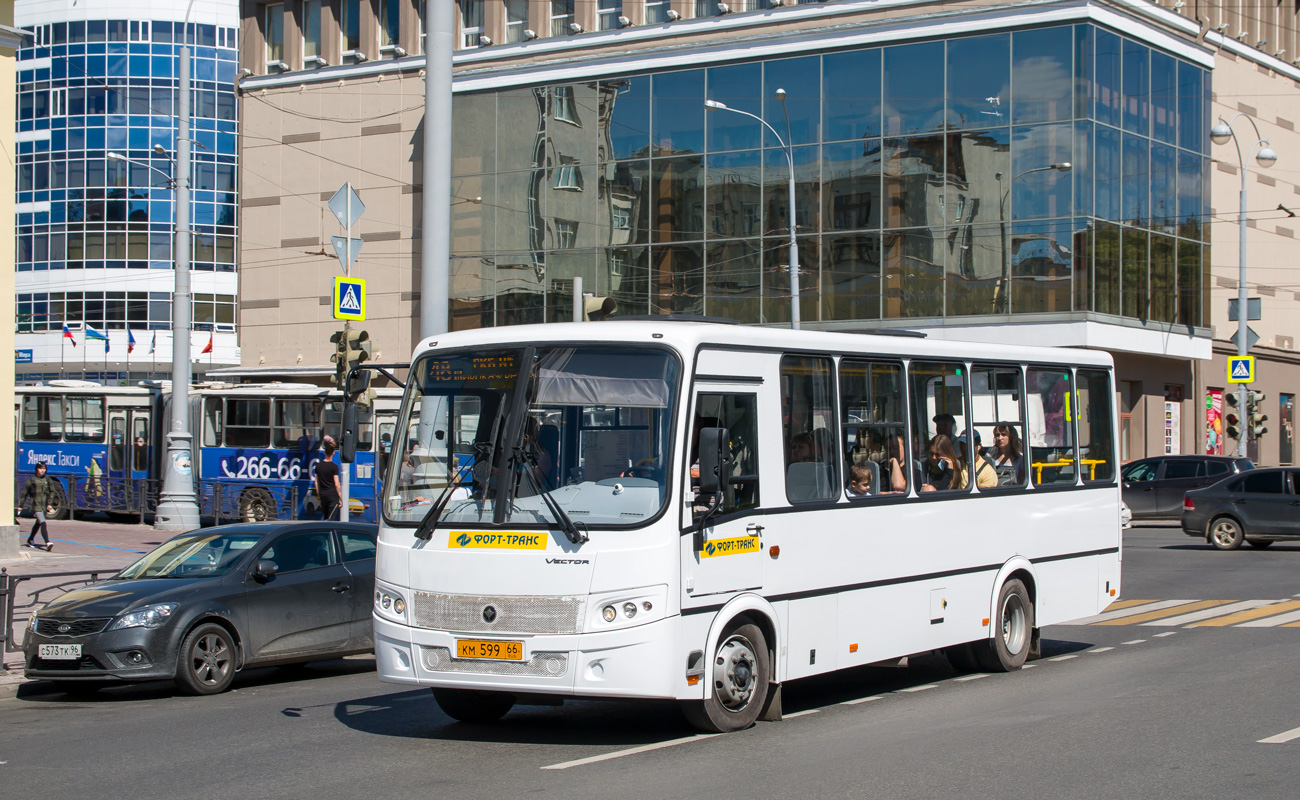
(1135, 707)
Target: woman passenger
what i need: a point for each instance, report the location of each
(1007, 455)
(944, 470)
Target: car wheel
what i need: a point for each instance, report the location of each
(1011, 642)
(207, 661)
(1260, 543)
(1226, 533)
(256, 505)
(470, 705)
(740, 675)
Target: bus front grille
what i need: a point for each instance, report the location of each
(488, 614)
(541, 665)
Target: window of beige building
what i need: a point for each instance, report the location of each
(350, 30)
(274, 34)
(561, 17)
(390, 13)
(313, 54)
(607, 14)
(471, 22)
(516, 20)
(656, 11)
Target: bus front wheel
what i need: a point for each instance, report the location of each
(740, 675)
(470, 705)
(1013, 637)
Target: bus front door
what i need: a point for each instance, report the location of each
(722, 546)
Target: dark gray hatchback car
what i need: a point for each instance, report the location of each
(1260, 507)
(208, 603)
(1153, 488)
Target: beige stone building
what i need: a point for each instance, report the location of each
(988, 172)
(10, 40)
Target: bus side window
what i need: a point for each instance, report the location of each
(811, 452)
(999, 427)
(1052, 408)
(938, 419)
(117, 443)
(212, 422)
(42, 418)
(1096, 428)
(872, 429)
(140, 451)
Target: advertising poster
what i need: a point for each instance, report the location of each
(1173, 428)
(1214, 422)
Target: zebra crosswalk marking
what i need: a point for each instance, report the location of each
(1248, 615)
(1121, 604)
(1128, 612)
(1197, 616)
(1164, 612)
(1272, 622)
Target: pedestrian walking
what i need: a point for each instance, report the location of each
(38, 491)
(328, 488)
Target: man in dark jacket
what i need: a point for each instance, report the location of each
(39, 492)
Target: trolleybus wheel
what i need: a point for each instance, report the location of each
(1013, 637)
(739, 676)
(1226, 533)
(471, 705)
(256, 505)
(59, 501)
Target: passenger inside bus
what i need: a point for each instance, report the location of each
(945, 471)
(1008, 455)
(985, 476)
(898, 473)
(862, 480)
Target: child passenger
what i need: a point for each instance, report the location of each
(860, 477)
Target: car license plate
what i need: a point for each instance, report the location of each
(60, 652)
(499, 651)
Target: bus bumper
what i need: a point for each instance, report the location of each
(632, 662)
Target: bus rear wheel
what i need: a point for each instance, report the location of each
(470, 705)
(739, 675)
(256, 505)
(1013, 638)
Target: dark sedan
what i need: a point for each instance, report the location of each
(1260, 507)
(1153, 488)
(210, 602)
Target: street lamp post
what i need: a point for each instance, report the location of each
(1003, 301)
(1265, 157)
(786, 144)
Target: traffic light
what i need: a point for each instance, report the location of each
(1255, 414)
(1232, 418)
(597, 308)
(350, 348)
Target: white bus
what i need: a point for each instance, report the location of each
(667, 509)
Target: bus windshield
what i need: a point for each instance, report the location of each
(585, 428)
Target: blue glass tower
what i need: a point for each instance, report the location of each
(97, 105)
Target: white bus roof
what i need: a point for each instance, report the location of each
(688, 336)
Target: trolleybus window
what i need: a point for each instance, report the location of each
(996, 394)
(85, 421)
(1096, 427)
(140, 451)
(296, 424)
(808, 408)
(1051, 426)
(248, 422)
(42, 418)
(872, 422)
(938, 418)
(212, 422)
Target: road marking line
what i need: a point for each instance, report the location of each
(1170, 611)
(1101, 650)
(858, 700)
(1272, 622)
(1208, 613)
(971, 677)
(920, 688)
(1286, 736)
(1135, 641)
(1029, 666)
(1163, 635)
(1119, 604)
(631, 751)
(1127, 612)
(1267, 610)
(803, 713)
(1290, 625)
(1063, 658)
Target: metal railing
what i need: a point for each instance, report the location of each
(12, 607)
(224, 501)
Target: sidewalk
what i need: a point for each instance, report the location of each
(79, 545)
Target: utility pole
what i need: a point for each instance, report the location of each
(435, 221)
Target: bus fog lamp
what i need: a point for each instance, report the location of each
(647, 605)
(399, 605)
(629, 610)
(386, 602)
(609, 613)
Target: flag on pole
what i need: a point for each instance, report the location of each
(130, 342)
(91, 333)
(67, 334)
(153, 347)
(208, 347)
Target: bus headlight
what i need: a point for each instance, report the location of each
(627, 609)
(390, 604)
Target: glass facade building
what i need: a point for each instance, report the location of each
(1056, 171)
(92, 230)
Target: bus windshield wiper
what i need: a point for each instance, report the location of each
(574, 533)
(430, 521)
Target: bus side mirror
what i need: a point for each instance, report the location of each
(348, 445)
(715, 459)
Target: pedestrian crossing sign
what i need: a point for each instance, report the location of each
(1241, 369)
(349, 298)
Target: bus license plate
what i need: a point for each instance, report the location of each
(498, 651)
(60, 652)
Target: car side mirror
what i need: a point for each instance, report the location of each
(715, 459)
(264, 571)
